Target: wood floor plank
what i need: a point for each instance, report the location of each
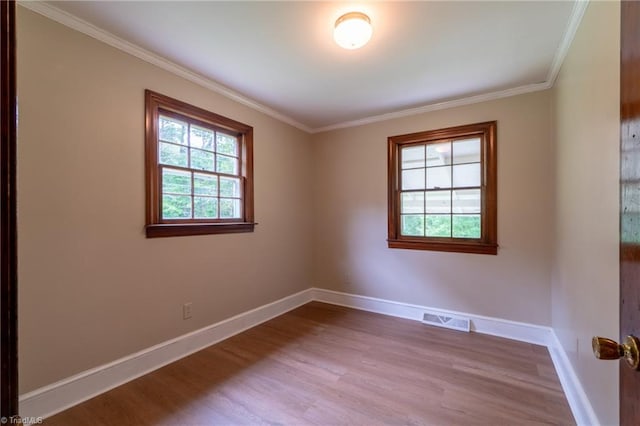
(323, 364)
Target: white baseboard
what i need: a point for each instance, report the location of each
(59, 396)
(573, 390)
(521, 331)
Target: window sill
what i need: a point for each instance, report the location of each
(447, 246)
(161, 230)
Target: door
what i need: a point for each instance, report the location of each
(8, 261)
(629, 220)
(630, 203)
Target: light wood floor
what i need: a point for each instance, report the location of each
(326, 365)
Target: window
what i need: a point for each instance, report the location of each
(443, 191)
(199, 170)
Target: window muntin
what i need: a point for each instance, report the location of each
(200, 174)
(442, 191)
(199, 170)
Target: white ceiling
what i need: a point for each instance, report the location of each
(281, 57)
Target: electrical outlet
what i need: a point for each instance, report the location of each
(186, 310)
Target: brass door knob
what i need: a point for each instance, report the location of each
(604, 348)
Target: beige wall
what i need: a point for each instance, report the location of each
(92, 287)
(585, 269)
(351, 253)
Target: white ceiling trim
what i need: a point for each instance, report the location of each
(91, 30)
(579, 7)
(438, 106)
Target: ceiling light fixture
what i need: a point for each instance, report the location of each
(353, 30)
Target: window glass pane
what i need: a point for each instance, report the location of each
(466, 151)
(438, 202)
(205, 184)
(202, 160)
(413, 224)
(438, 154)
(438, 226)
(229, 187)
(412, 157)
(227, 144)
(228, 165)
(172, 130)
(439, 177)
(229, 208)
(176, 181)
(176, 206)
(467, 226)
(201, 138)
(413, 179)
(173, 155)
(466, 201)
(466, 175)
(205, 207)
(412, 202)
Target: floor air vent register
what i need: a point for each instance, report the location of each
(447, 321)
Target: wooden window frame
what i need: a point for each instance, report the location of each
(488, 241)
(157, 104)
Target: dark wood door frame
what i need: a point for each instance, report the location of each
(8, 237)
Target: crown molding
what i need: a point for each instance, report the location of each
(579, 7)
(438, 106)
(93, 31)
